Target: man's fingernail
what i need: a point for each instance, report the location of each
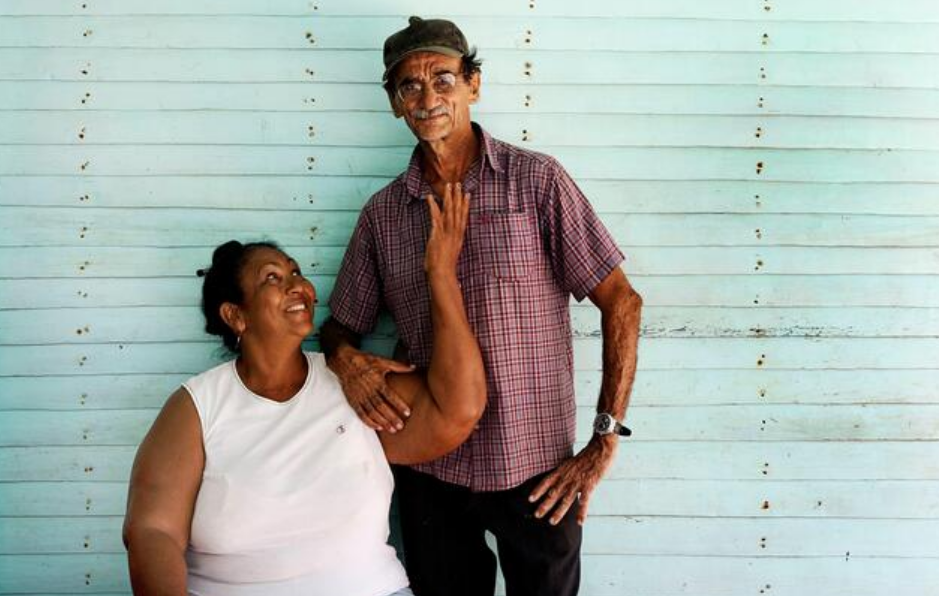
(407, 412)
(400, 425)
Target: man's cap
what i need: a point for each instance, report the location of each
(431, 35)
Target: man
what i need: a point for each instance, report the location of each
(532, 241)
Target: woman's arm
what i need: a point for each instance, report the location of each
(447, 401)
(164, 483)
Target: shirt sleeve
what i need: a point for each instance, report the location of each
(356, 298)
(581, 249)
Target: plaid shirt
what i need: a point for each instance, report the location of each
(532, 241)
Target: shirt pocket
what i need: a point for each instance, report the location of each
(508, 244)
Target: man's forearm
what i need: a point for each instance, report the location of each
(620, 326)
(334, 335)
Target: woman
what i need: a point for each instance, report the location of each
(257, 478)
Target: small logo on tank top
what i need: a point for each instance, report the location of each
(340, 429)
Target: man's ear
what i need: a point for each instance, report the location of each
(233, 317)
(474, 84)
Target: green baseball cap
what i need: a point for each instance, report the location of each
(431, 35)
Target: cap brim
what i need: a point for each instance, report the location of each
(434, 49)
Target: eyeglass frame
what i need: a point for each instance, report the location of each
(422, 83)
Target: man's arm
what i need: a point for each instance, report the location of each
(620, 307)
(363, 377)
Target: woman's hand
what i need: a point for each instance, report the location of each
(447, 229)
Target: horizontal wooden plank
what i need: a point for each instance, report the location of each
(26, 226)
(312, 97)
(64, 464)
(70, 226)
(687, 388)
(327, 193)
(175, 323)
(914, 11)
(652, 163)
(32, 499)
(378, 129)
(708, 499)
(103, 427)
(321, 263)
(60, 535)
(489, 32)
(759, 261)
(651, 388)
(755, 499)
(733, 460)
(820, 69)
(617, 535)
(862, 422)
(656, 353)
(765, 537)
(657, 290)
(603, 575)
(639, 460)
(788, 290)
(64, 574)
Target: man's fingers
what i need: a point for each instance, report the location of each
(551, 498)
(543, 486)
(394, 421)
(372, 409)
(561, 510)
(364, 417)
(396, 402)
(582, 509)
(388, 365)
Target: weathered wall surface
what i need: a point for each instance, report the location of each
(769, 166)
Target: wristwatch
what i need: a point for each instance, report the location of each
(605, 424)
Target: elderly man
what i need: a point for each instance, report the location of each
(532, 242)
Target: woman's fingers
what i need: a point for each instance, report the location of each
(434, 211)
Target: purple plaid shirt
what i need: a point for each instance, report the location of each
(532, 241)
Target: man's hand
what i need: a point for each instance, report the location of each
(363, 381)
(577, 476)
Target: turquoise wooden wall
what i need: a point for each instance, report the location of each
(769, 166)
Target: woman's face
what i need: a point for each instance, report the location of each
(278, 300)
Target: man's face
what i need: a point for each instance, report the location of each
(433, 107)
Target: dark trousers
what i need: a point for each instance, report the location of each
(443, 529)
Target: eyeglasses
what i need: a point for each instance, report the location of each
(442, 84)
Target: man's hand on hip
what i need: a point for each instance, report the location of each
(575, 478)
(363, 378)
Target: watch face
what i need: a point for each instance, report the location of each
(603, 424)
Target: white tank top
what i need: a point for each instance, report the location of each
(294, 497)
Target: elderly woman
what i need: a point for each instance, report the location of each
(257, 478)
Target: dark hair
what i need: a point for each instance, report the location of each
(469, 65)
(222, 284)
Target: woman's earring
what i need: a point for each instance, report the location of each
(238, 342)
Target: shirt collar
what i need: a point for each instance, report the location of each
(491, 158)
